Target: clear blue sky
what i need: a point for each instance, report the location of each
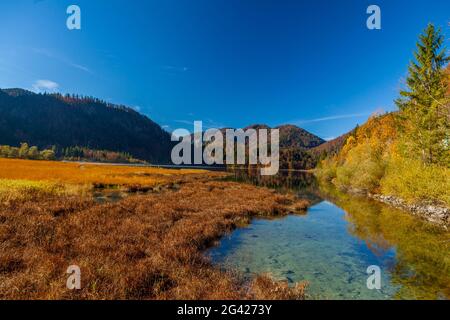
(227, 62)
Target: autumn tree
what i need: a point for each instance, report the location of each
(48, 155)
(33, 153)
(23, 150)
(424, 104)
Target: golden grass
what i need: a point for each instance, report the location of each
(92, 174)
(24, 190)
(11, 190)
(415, 182)
(143, 247)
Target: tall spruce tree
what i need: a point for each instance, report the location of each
(424, 106)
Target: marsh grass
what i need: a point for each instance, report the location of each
(26, 190)
(96, 175)
(143, 247)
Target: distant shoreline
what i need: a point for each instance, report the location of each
(171, 166)
(166, 166)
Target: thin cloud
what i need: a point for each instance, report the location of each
(45, 86)
(208, 124)
(173, 70)
(80, 67)
(334, 117)
(191, 123)
(63, 60)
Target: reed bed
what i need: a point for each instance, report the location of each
(84, 173)
(143, 247)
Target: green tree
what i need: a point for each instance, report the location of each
(424, 106)
(23, 150)
(33, 153)
(13, 152)
(5, 151)
(48, 154)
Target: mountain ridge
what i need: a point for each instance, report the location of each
(46, 119)
(290, 135)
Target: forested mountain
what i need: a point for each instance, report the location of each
(62, 122)
(331, 147)
(294, 137)
(46, 120)
(295, 146)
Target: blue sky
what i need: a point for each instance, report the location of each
(226, 62)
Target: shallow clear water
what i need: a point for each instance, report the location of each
(332, 248)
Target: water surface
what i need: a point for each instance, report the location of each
(332, 246)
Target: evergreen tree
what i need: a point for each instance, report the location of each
(424, 106)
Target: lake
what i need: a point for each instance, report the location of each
(335, 241)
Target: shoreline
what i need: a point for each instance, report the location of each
(437, 215)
